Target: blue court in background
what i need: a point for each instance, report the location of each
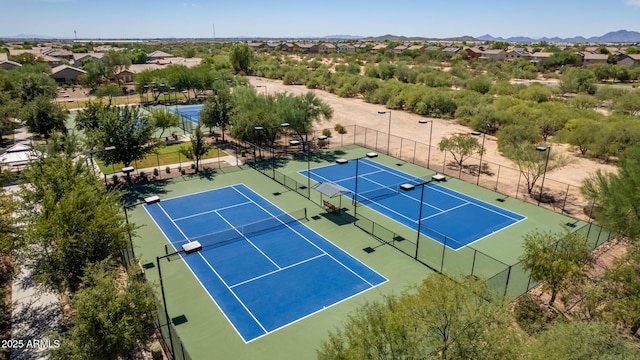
(265, 280)
(446, 214)
(189, 112)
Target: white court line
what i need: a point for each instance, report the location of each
(403, 194)
(233, 293)
(309, 241)
(250, 242)
(214, 271)
(279, 270)
(476, 202)
(445, 211)
(210, 211)
(198, 278)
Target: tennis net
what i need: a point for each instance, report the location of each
(385, 191)
(237, 233)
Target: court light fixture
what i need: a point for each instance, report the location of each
(544, 174)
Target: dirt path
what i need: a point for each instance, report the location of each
(404, 124)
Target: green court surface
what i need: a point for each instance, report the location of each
(203, 328)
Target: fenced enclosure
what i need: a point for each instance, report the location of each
(510, 279)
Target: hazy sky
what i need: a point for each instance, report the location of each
(299, 18)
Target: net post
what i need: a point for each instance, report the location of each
(305, 214)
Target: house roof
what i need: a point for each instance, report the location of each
(3, 57)
(18, 154)
(81, 56)
(60, 68)
(158, 54)
(589, 56)
(493, 51)
(542, 54)
(8, 64)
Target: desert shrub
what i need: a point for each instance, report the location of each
(326, 132)
(339, 128)
(322, 143)
(156, 172)
(530, 315)
(167, 169)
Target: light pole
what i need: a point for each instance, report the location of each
(430, 134)
(355, 194)
(408, 187)
(477, 133)
(265, 88)
(548, 150)
(389, 133)
(273, 153)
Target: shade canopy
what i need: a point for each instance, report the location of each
(329, 189)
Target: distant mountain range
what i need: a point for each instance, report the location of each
(620, 36)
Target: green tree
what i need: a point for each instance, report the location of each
(616, 195)
(578, 81)
(43, 116)
(628, 104)
(216, 111)
(71, 219)
(110, 316)
(90, 116)
(461, 147)
(532, 163)
(577, 340)
(481, 84)
(126, 129)
(440, 318)
(109, 90)
(241, 57)
(115, 62)
(162, 118)
(32, 86)
(199, 147)
(582, 133)
(557, 259)
(300, 112)
(96, 71)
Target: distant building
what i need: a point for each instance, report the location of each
(65, 74)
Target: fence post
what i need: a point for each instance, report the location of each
(508, 278)
(444, 245)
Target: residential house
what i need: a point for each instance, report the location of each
(631, 59)
(378, 48)
(65, 74)
(326, 47)
(517, 53)
(258, 46)
(537, 56)
(157, 56)
(590, 58)
(286, 47)
(450, 51)
(432, 48)
(52, 61)
(400, 48)
(307, 48)
(59, 53)
(416, 48)
(79, 58)
(494, 54)
(9, 65)
(345, 48)
(474, 52)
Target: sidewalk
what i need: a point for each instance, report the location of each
(34, 313)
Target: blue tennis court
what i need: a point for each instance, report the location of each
(263, 267)
(189, 112)
(446, 214)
